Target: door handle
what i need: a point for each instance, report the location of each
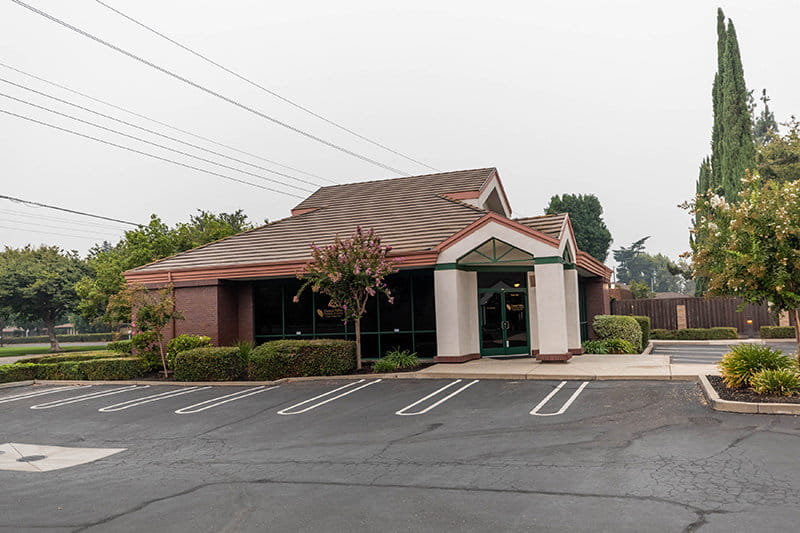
(504, 324)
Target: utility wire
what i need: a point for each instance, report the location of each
(175, 139)
(50, 233)
(64, 209)
(155, 121)
(40, 225)
(92, 225)
(259, 86)
(206, 89)
(134, 150)
(181, 152)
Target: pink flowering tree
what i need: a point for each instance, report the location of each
(350, 272)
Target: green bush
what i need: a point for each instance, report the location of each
(181, 343)
(124, 346)
(293, 358)
(94, 369)
(70, 370)
(644, 325)
(39, 339)
(145, 345)
(777, 332)
(619, 327)
(746, 360)
(383, 366)
(784, 382)
(209, 364)
(17, 372)
(694, 334)
(619, 346)
(74, 356)
(396, 359)
(595, 347)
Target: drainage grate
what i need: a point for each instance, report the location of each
(31, 458)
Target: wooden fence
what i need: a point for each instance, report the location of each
(679, 313)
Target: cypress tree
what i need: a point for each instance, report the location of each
(716, 99)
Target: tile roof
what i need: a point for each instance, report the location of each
(550, 225)
(410, 214)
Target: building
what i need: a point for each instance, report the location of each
(473, 281)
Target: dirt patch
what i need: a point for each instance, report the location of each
(747, 394)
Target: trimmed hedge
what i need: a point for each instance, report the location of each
(17, 372)
(108, 368)
(209, 364)
(181, 343)
(776, 332)
(619, 327)
(694, 334)
(124, 346)
(295, 358)
(84, 337)
(80, 356)
(644, 324)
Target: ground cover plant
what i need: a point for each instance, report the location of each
(396, 359)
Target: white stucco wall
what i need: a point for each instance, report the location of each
(456, 312)
(533, 323)
(551, 309)
(572, 309)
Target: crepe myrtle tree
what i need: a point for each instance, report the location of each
(751, 248)
(148, 311)
(350, 272)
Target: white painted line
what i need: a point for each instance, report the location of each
(87, 397)
(41, 393)
(318, 404)
(564, 407)
(214, 402)
(402, 412)
(149, 399)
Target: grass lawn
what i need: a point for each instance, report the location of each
(13, 351)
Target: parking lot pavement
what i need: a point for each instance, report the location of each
(705, 354)
(410, 455)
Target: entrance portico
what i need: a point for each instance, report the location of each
(503, 288)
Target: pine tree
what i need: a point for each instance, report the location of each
(764, 125)
(716, 99)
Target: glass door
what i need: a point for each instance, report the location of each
(503, 321)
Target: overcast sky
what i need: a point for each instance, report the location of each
(611, 98)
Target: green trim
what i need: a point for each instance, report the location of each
(549, 260)
(495, 259)
(511, 350)
(569, 266)
(446, 266)
(484, 268)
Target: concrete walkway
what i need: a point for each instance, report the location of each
(583, 367)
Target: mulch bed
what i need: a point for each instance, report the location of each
(746, 394)
(366, 368)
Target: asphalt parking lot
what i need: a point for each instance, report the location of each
(706, 354)
(395, 455)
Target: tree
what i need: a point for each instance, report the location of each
(150, 311)
(779, 157)
(626, 259)
(640, 290)
(656, 272)
(144, 245)
(586, 214)
(752, 247)
(764, 125)
(39, 284)
(350, 272)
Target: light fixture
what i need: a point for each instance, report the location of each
(516, 285)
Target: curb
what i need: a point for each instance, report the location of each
(720, 342)
(647, 350)
(16, 384)
(745, 407)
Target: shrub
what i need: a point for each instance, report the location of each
(694, 334)
(784, 382)
(123, 346)
(746, 360)
(396, 359)
(293, 358)
(619, 346)
(17, 372)
(382, 366)
(145, 345)
(663, 334)
(644, 325)
(94, 369)
(619, 327)
(39, 339)
(181, 343)
(595, 347)
(75, 356)
(62, 370)
(723, 333)
(209, 364)
(777, 332)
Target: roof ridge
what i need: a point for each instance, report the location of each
(460, 202)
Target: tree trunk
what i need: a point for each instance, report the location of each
(163, 356)
(358, 344)
(797, 332)
(51, 334)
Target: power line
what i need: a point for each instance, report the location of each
(64, 209)
(206, 89)
(149, 142)
(166, 125)
(59, 219)
(40, 225)
(134, 150)
(50, 233)
(175, 139)
(259, 86)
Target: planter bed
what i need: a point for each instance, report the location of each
(746, 394)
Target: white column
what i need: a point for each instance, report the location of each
(551, 309)
(533, 321)
(573, 310)
(456, 294)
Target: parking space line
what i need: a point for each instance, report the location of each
(41, 393)
(564, 407)
(87, 397)
(149, 399)
(402, 412)
(319, 404)
(214, 402)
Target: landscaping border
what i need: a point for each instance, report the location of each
(745, 407)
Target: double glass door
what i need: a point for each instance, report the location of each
(504, 321)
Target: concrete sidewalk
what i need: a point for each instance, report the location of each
(583, 367)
